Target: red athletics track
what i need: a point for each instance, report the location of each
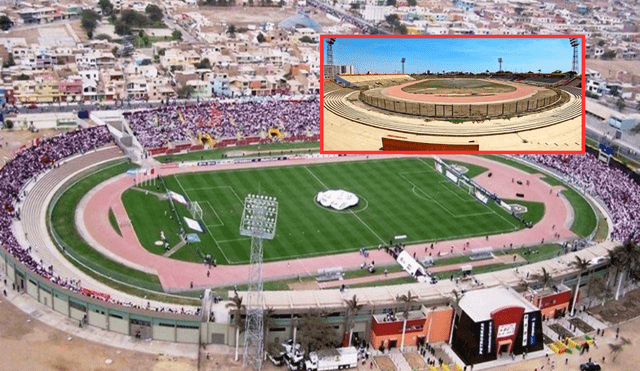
(521, 92)
(177, 275)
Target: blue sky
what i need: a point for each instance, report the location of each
(383, 55)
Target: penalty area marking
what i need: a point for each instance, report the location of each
(214, 211)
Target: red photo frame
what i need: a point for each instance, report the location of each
(445, 151)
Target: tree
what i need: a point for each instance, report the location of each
(412, 2)
(10, 62)
(103, 37)
(626, 259)
(610, 54)
(352, 309)
(133, 19)
(582, 265)
(122, 29)
(154, 12)
(600, 290)
(261, 38)
(176, 35)
(391, 2)
(203, 64)
(231, 30)
(620, 104)
(238, 308)
(23, 77)
(267, 321)
(5, 23)
(392, 19)
(355, 6)
(408, 300)
(544, 278)
(601, 43)
(402, 29)
(9, 124)
(106, 7)
(315, 333)
(89, 20)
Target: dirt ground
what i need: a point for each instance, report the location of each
(620, 311)
(27, 344)
(243, 16)
(627, 360)
(609, 69)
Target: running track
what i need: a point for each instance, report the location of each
(176, 275)
(521, 92)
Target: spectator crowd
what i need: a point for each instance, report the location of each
(28, 164)
(619, 192)
(179, 123)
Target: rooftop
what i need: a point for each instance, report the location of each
(476, 305)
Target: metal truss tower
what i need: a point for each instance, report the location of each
(403, 60)
(259, 219)
(575, 43)
(330, 64)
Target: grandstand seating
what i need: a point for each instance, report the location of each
(157, 127)
(333, 101)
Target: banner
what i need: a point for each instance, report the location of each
(482, 197)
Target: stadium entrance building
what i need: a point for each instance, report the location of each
(427, 325)
(493, 322)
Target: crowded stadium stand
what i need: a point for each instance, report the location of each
(619, 192)
(156, 128)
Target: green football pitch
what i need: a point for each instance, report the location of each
(397, 197)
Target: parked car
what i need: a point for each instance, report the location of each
(590, 366)
(32, 106)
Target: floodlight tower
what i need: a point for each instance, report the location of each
(575, 43)
(403, 60)
(259, 219)
(330, 65)
(500, 61)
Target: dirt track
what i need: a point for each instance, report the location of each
(520, 92)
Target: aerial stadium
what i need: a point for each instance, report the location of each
(166, 243)
(459, 110)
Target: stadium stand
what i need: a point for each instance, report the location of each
(620, 193)
(156, 128)
(94, 145)
(333, 101)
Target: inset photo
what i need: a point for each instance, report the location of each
(452, 94)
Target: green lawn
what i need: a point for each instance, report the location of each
(149, 228)
(535, 210)
(474, 170)
(114, 222)
(585, 220)
(264, 149)
(397, 196)
(64, 226)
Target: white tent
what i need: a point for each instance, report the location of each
(410, 265)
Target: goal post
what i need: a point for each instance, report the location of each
(466, 185)
(196, 210)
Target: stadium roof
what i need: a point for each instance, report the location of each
(385, 296)
(300, 20)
